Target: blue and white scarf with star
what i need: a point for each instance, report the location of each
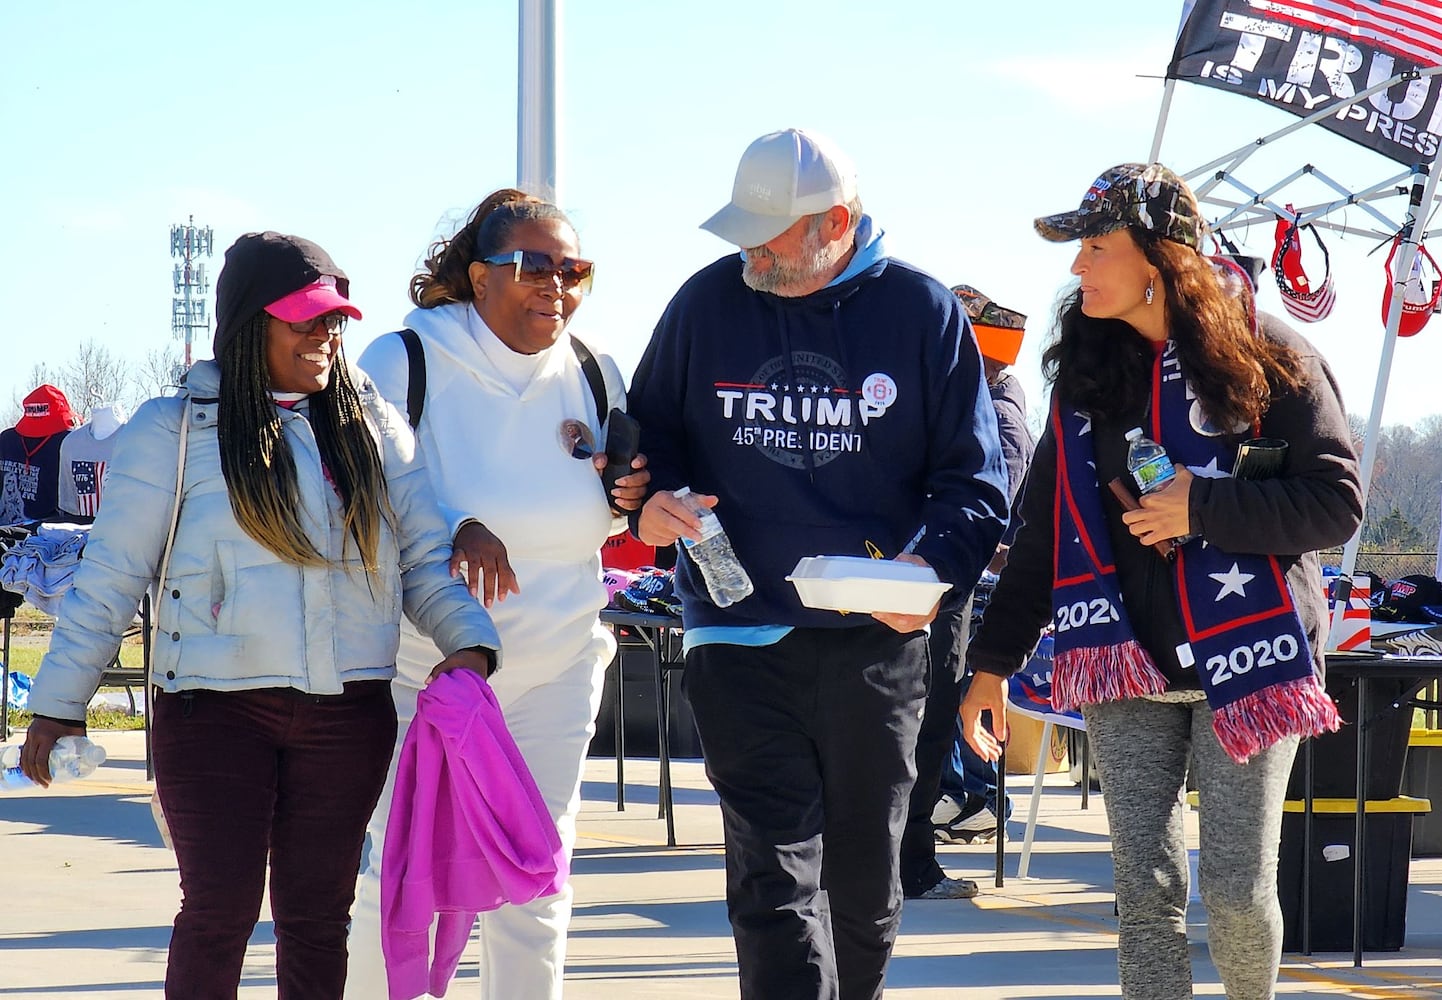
(1244, 636)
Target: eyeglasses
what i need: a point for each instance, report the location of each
(533, 267)
(334, 323)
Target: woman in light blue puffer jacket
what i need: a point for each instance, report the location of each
(306, 527)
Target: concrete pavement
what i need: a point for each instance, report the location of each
(87, 894)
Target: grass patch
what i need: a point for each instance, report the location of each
(26, 658)
(95, 719)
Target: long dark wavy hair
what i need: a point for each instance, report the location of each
(1104, 366)
(447, 276)
(259, 470)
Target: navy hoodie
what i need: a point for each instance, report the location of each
(855, 414)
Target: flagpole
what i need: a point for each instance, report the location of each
(538, 98)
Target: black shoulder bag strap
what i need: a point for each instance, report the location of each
(416, 387)
(591, 368)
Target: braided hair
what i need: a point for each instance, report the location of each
(258, 466)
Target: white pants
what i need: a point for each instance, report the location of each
(551, 715)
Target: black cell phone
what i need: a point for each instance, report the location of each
(623, 440)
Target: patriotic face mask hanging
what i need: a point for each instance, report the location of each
(1304, 299)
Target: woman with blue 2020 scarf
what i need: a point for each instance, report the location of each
(1213, 652)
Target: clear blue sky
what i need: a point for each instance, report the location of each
(369, 126)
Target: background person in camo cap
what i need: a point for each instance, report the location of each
(1157, 336)
(967, 809)
(944, 762)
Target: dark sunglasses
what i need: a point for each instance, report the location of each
(532, 267)
(334, 323)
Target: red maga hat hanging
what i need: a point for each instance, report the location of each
(1418, 304)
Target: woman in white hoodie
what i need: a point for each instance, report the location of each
(513, 435)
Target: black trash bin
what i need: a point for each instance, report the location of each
(1335, 754)
(1384, 906)
(1423, 778)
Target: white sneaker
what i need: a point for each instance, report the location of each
(946, 810)
(979, 826)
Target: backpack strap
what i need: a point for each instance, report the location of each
(591, 368)
(416, 386)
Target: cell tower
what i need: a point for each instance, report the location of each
(188, 309)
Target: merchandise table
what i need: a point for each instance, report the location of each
(661, 634)
(1365, 668)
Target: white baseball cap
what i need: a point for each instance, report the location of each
(782, 177)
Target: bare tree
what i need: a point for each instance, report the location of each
(94, 376)
(156, 375)
(1402, 504)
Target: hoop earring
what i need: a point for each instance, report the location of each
(1151, 289)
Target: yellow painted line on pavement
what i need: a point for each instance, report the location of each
(1044, 908)
(1359, 983)
(109, 787)
(1353, 988)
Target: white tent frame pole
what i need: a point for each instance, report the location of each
(1259, 203)
(1412, 232)
(1162, 120)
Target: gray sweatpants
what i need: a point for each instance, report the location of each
(1141, 752)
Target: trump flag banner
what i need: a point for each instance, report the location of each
(1303, 57)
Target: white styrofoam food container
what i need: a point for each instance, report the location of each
(856, 583)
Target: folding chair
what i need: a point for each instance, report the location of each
(1029, 694)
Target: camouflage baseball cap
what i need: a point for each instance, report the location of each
(984, 311)
(999, 330)
(1146, 195)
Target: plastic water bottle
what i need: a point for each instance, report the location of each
(1148, 462)
(1151, 467)
(71, 757)
(726, 578)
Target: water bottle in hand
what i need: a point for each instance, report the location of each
(1151, 467)
(71, 757)
(1148, 462)
(726, 578)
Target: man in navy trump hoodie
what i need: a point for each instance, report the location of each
(826, 400)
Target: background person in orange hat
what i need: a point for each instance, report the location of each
(968, 809)
(944, 763)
